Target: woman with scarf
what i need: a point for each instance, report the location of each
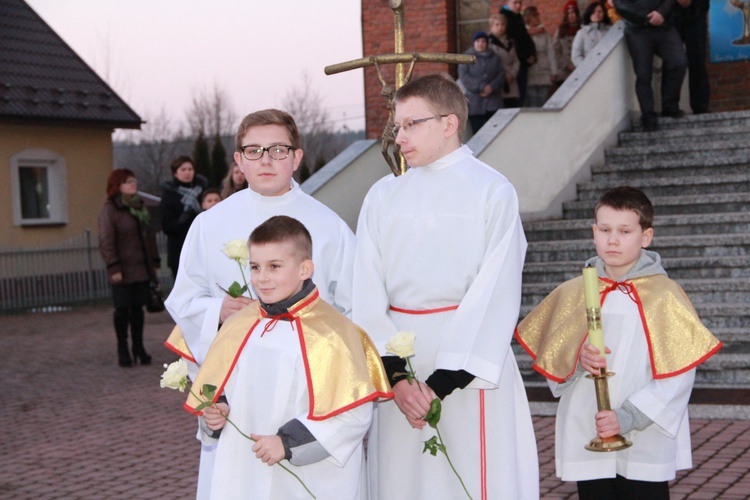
(128, 247)
(180, 204)
(563, 40)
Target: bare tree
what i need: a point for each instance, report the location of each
(319, 140)
(149, 151)
(211, 112)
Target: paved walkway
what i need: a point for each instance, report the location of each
(75, 425)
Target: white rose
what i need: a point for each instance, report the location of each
(237, 250)
(175, 376)
(401, 344)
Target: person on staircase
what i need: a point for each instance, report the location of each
(128, 247)
(649, 32)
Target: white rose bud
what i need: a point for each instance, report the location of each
(401, 344)
(237, 250)
(175, 376)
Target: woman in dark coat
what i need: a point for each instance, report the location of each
(180, 204)
(128, 247)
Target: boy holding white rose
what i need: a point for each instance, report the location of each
(272, 361)
(654, 340)
(268, 151)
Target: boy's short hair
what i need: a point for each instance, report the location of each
(177, 163)
(628, 198)
(281, 229)
(498, 17)
(442, 95)
(208, 191)
(268, 117)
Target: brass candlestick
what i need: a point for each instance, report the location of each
(613, 443)
(596, 338)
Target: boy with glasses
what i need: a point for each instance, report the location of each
(440, 251)
(268, 150)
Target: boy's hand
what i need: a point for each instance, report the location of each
(269, 449)
(231, 305)
(213, 417)
(590, 359)
(413, 400)
(607, 424)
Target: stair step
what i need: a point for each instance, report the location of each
(672, 205)
(718, 144)
(697, 163)
(666, 225)
(679, 268)
(703, 121)
(655, 186)
(704, 245)
(685, 136)
(700, 291)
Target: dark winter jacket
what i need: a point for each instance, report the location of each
(176, 215)
(517, 32)
(488, 70)
(127, 246)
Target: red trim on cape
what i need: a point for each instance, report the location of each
(220, 389)
(539, 370)
(423, 311)
(179, 352)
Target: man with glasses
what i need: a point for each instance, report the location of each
(440, 251)
(268, 150)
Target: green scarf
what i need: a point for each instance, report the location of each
(136, 208)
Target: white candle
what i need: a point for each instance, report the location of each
(591, 294)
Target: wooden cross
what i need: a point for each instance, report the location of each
(395, 159)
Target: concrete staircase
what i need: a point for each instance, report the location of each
(696, 170)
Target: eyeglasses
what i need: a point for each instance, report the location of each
(131, 181)
(277, 151)
(408, 124)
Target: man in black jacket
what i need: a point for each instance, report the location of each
(525, 47)
(649, 32)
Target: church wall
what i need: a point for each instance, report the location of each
(429, 27)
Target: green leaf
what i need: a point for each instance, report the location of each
(209, 391)
(203, 405)
(409, 378)
(235, 290)
(433, 416)
(431, 445)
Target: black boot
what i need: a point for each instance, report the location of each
(122, 318)
(136, 331)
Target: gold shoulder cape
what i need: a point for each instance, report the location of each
(554, 332)
(343, 367)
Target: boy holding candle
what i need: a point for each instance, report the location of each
(654, 340)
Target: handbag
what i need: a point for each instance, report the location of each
(155, 300)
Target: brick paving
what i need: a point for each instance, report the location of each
(75, 425)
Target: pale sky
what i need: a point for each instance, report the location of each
(158, 53)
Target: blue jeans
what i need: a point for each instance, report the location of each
(643, 45)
